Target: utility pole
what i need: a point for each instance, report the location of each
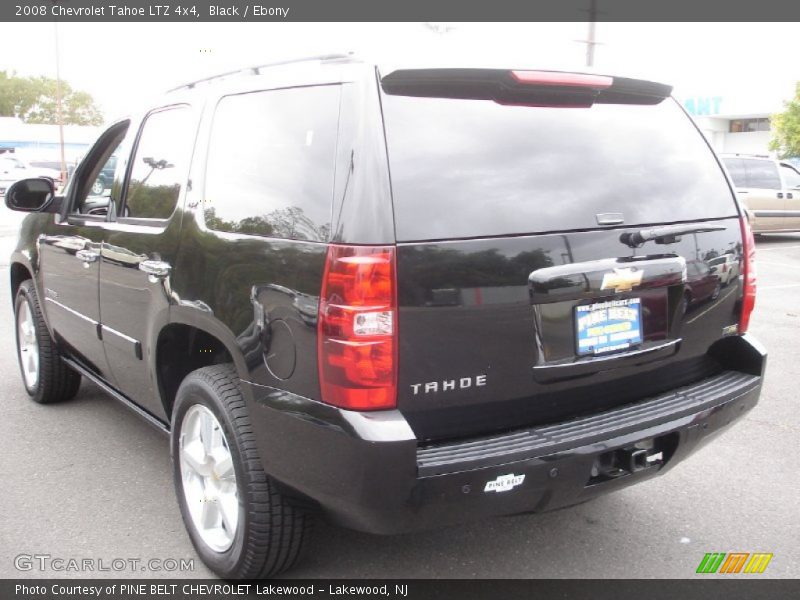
(590, 43)
(59, 115)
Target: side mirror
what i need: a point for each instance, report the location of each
(30, 195)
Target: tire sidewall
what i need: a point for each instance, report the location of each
(23, 295)
(195, 391)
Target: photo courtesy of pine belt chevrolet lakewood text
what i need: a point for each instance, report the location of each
(528, 313)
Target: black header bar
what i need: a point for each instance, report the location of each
(396, 10)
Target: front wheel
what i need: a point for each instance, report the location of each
(241, 525)
(46, 377)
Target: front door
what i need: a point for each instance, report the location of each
(139, 250)
(70, 257)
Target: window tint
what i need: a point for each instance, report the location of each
(735, 167)
(160, 164)
(271, 163)
(762, 174)
(790, 176)
(470, 168)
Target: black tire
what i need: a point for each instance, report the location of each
(716, 292)
(57, 382)
(272, 529)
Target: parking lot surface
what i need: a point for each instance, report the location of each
(87, 479)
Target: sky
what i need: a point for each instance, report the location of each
(753, 66)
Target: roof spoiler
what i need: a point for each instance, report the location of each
(524, 87)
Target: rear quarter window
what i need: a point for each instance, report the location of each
(271, 163)
(475, 168)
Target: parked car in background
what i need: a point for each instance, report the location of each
(14, 168)
(769, 189)
(726, 267)
(105, 177)
(702, 283)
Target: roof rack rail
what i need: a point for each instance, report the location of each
(256, 69)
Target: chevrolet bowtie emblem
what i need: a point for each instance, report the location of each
(622, 280)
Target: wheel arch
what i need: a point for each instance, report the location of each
(19, 272)
(189, 342)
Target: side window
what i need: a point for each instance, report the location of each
(160, 164)
(93, 188)
(791, 177)
(735, 167)
(762, 174)
(271, 163)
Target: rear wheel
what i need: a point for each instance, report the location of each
(46, 377)
(240, 523)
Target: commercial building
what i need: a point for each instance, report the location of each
(42, 141)
(732, 125)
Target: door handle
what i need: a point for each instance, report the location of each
(780, 195)
(87, 256)
(789, 195)
(155, 268)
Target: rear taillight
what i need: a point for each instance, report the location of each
(748, 275)
(357, 337)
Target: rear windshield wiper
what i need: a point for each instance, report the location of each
(664, 235)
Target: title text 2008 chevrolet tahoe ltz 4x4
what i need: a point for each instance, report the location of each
(398, 299)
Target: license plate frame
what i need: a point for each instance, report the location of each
(608, 326)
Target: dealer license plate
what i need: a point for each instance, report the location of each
(609, 326)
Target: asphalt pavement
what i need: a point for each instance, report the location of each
(88, 480)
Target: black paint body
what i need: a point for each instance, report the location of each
(500, 308)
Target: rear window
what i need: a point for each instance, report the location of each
(475, 168)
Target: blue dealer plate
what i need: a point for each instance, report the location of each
(608, 326)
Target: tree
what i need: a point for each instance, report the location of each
(33, 99)
(786, 128)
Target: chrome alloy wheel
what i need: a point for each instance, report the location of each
(27, 345)
(208, 477)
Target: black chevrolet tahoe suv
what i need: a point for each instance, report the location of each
(398, 299)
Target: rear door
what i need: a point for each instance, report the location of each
(139, 250)
(520, 300)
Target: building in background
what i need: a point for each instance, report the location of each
(733, 125)
(42, 141)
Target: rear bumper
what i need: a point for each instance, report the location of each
(367, 471)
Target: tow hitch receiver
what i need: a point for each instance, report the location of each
(643, 455)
